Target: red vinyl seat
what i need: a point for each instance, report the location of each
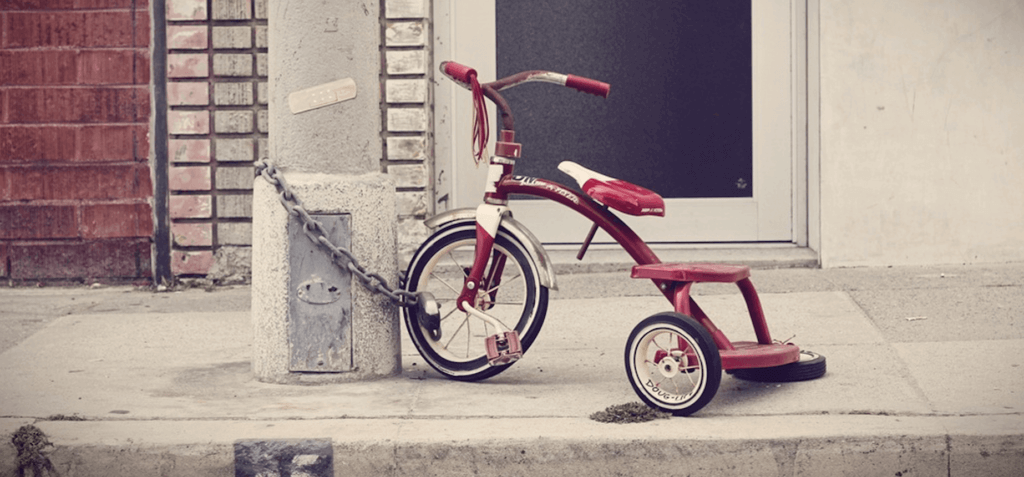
(618, 194)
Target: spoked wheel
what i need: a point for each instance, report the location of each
(513, 295)
(810, 366)
(673, 363)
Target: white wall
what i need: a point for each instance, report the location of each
(922, 131)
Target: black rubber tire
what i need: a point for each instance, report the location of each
(528, 322)
(642, 371)
(810, 366)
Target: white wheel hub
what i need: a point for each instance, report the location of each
(669, 366)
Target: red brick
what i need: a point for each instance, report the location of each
(37, 143)
(30, 105)
(186, 9)
(191, 263)
(192, 235)
(80, 182)
(5, 185)
(141, 142)
(56, 29)
(44, 29)
(20, 144)
(117, 220)
(190, 206)
(4, 254)
(106, 66)
(35, 67)
(112, 28)
(189, 150)
(187, 37)
(23, 221)
(142, 25)
(71, 4)
(117, 258)
(112, 105)
(188, 122)
(191, 93)
(188, 65)
(78, 105)
(142, 64)
(113, 143)
(189, 178)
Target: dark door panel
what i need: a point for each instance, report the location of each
(678, 120)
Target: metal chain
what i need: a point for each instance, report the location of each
(314, 230)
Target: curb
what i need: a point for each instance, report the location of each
(754, 445)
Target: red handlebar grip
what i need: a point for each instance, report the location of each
(588, 85)
(460, 73)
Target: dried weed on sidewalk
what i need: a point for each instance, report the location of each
(628, 413)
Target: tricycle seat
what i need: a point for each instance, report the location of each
(617, 194)
(692, 272)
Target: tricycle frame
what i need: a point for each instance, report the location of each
(762, 353)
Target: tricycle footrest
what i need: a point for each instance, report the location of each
(692, 272)
(749, 354)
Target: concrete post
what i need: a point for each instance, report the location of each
(331, 157)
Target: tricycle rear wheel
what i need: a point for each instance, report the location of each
(810, 366)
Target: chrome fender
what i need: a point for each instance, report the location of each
(540, 256)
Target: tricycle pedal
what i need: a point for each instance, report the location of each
(503, 348)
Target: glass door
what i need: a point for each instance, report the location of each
(700, 110)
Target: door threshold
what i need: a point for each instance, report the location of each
(612, 258)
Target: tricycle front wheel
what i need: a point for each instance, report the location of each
(673, 364)
(455, 345)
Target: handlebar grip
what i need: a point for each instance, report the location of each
(587, 85)
(457, 72)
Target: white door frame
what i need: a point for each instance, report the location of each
(464, 32)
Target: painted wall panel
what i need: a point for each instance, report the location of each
(922, 132)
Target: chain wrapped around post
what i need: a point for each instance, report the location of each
(342, 257)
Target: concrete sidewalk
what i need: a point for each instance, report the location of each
(925, 377)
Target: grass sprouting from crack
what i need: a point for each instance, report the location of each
(629, 413)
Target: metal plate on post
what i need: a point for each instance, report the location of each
(319, 299)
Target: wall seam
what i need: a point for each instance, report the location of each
(161, 209)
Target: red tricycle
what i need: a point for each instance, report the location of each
(487, 278)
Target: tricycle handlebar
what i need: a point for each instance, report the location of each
(457, 72)
(462, 74)
(587, 85)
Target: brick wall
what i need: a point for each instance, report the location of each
(75, 142)
(75, 186)
(217, 125)
(408, 147)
